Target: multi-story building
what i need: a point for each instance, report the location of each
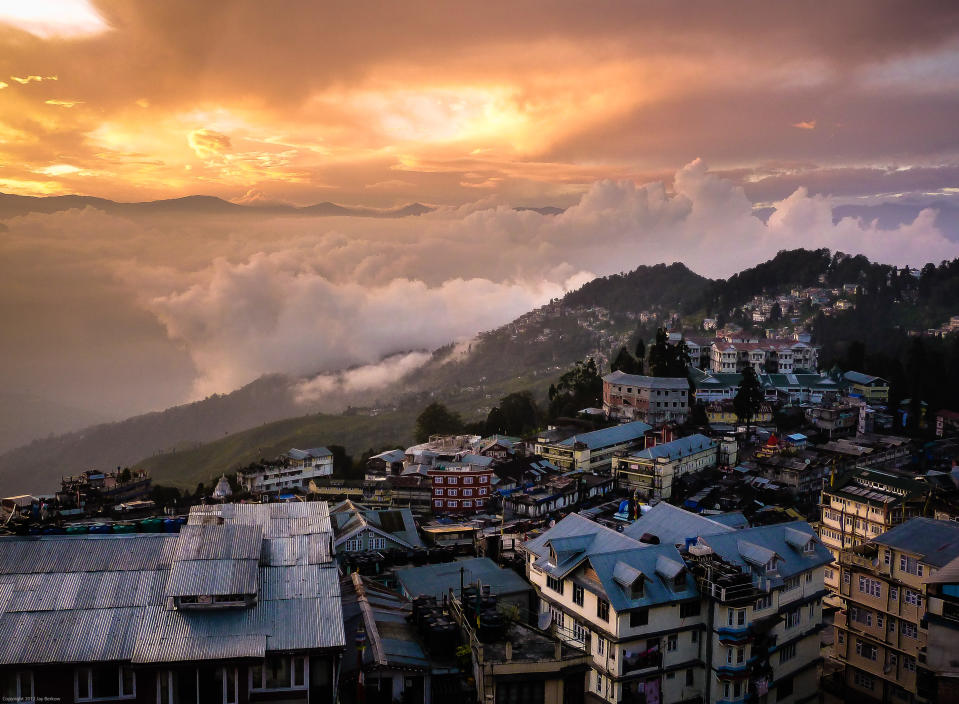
(460, 488)
(861, 505)
(650, 399)
(593, 451)
(782, 356)
(734, 614)
(295, 471)
(938, 679)
(358, 528)
(881, 634)
(651, 471)
(243, 605)
(873, 389)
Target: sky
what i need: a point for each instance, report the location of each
(662, 129)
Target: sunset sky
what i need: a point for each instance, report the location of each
(711, 133)
(381, 103)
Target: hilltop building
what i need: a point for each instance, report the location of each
(294, 471)
(650, 399)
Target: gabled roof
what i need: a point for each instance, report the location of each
(733, 519)
(390, 456)
(675, 449)
(860, 378)
(761, 542)
(673, 525)
(652, 561)
(626, 432)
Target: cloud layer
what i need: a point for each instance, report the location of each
(137, 314)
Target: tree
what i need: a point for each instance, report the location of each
(579, 388)
(342, 462)
(516, 414)
(437, 419)
(666, 359)
(749, 398)
(640, 355)
(624, 362)
(697, 415)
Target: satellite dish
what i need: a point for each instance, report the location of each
(545, 619)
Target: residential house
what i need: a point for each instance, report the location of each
(358, 528)
(441, 579)
(881, 636)
(652, 471)
(386, 464)
(653, 400)
(937, 680)
(294, 471)
(207, 615)
(461, 488)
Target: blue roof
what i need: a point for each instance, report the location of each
(860, 378)
(936, 541)
(756, 545)
(437, 580)
(676, 448)
(673, 525)
(733, 519)
(609, 436)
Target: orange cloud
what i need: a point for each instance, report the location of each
(805, 125)
(30, 79)
(208, 144)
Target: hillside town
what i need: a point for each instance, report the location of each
(665, 545)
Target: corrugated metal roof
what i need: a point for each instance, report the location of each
(683, 447)
(770, 539)
(213, 577)
(103, 598)
(673, 525)
(94, 553)
(606, 437)
(219, 542)
(936, 541)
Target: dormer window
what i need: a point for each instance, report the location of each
(638, 590)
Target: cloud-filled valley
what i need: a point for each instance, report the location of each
(205, 304)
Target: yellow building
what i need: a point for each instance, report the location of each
(881, 633)
(873, 389)
(860, 506)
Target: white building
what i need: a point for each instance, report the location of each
(735, 614)
(293, 472)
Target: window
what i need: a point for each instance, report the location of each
(787, 652)
(808, 576)
(16, 686)
(438, 492)
(689, 608)
(689, 677)
(735, 655)
(913, 598)
(886, 557)
(467, 492)
(437, 480)
(580, 632)
(578, 595)
(639, 617)
(479, 502)
(600, 645)
(869, 586)
(910, 565)
(279, 672)
(863, 680)
(909, 663)
(784, 689)
(602, 609)
(893, 593)
(793, 617)
(467, 504)
(354, 544)
(104, 682)
(377, 543)
(438, 504)
(672, 642)
(763, 603)
(452, 480)
(467, 480)
(861, 616)
(452, 492)
(482, 491)
(452, 504)
(845, 577)
(909, 629)
(228, 681)
(483, 479)
(790, 584)
(694, 637)
(555, 584)
(736, 617)
(866, 650)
